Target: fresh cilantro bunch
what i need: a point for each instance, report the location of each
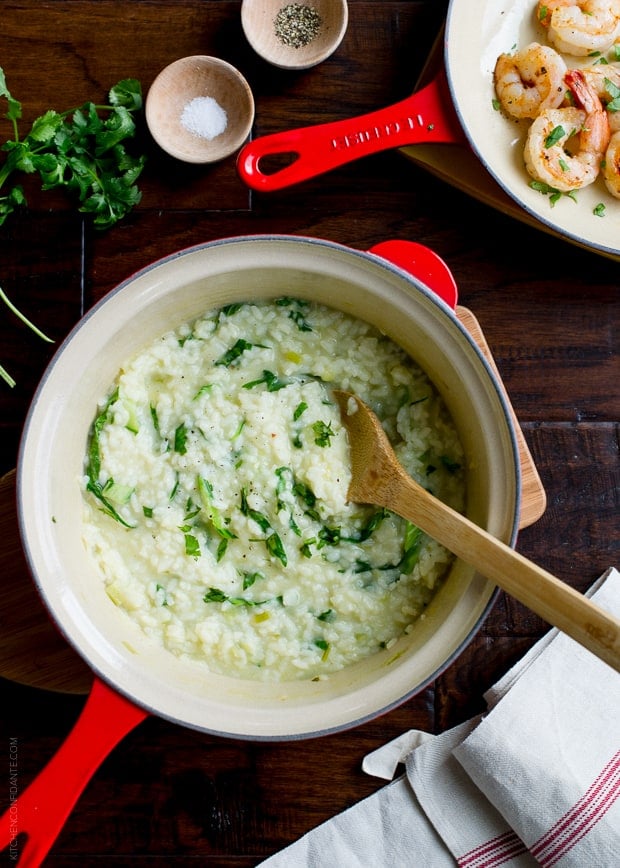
(82, 150)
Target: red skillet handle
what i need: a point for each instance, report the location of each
(423, 263)
(427, 116)
(41, 810)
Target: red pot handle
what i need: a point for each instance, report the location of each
(41, 810)
(426, 116)
(424, 264)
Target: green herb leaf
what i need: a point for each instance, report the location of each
(261, 520)
(215, 595)
(192, 546)
(556, 135)
(412, 547)
(270, 380)
(180, 439)
(205, 490)
(250, 578)
(106, 507)
(299, 410)
(322, 433)
(238, 348)
(276, 549)
(93, 466)
(127, 93)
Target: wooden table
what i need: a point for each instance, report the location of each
(549, 310)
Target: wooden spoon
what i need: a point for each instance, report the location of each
(378, 478)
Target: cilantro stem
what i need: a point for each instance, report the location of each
(8, 379)
(23, 318)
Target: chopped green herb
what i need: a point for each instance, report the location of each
(235, 352)
(106, 507)
(599, 210)
(613, 91)
(250, 578)
(327, 616)
(276, 549)
(322, 433)
(299, 410)
(329, 536)
(554, 194)
(272, 542)
(230, 309)
(192, 547)
(180, 439)
(203, 390)
(93, 467)
(556, 135)
(147, 511)
(215, 595)
(238, 430)
(323, 646)
(261, 520)
(370, 527)
(155, 419)
(205, 490)
(270, 380)
(412, 547)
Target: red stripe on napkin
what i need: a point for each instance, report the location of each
(581, 818)
(494, 852)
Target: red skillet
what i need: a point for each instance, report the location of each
(40, 811)
(426, 116)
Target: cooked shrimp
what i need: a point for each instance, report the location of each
(530, 80)
(547, 155)
(611, 166)
(605, 80)
(579, 27)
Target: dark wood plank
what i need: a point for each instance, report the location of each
(168, 796)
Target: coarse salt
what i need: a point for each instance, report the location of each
(203, 116)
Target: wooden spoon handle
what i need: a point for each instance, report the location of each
(555, 602)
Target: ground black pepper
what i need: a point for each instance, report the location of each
(297, 25)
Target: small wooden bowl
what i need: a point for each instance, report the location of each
(263, 20)
(192, 137)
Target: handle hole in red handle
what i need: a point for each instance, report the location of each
(271, 164)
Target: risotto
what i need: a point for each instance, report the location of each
(216, 485)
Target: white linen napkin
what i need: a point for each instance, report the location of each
(548, 753)
(387, 829)
(535, 781)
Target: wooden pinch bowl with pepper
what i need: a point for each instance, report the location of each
(294, 35)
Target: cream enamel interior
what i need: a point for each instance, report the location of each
(51, 462)
(478, 31)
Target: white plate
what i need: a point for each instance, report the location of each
(478, 31)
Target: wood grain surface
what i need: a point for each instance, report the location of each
(549, 311)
